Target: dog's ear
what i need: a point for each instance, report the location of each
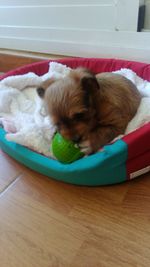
(90, 86)
(41, 89)
(89, 83)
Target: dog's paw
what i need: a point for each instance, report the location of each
(85, 147)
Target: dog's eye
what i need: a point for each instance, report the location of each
(79, 116)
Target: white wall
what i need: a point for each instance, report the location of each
(97, 28)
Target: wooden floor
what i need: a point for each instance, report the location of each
(10, 59)
(45, 223)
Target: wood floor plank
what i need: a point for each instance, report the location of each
(117, 248)
(32, 230)
(137, 201)
(46, 223)
(9, 170)
(120, 234)
(10, 59)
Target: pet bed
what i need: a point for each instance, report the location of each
(122, 160)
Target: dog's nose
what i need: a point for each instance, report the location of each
(76, 139)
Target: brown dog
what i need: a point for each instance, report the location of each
(90, 110)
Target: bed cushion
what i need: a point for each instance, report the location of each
(123, 160)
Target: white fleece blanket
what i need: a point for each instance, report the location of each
(23, 116)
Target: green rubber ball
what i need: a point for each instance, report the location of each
(64, 150)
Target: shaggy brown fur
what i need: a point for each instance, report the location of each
(90, 110)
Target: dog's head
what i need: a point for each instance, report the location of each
(70, 102)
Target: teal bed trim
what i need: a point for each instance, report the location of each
(102, 168)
